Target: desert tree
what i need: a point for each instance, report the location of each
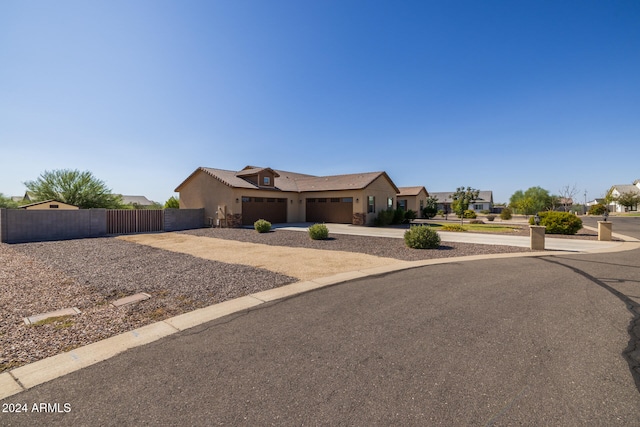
(76, 188)
(462, 198)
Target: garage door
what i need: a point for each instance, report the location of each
(269, 208)
(336, 210)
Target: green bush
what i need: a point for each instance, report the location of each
(422, 237)
(410, 215)
(384, 218)
(491, 217)
(262, 226)
(398, 216)
(469, 214)
(598, 209)
(318, 232)
(559, 222)
(476, 221)
(441, 213)
(453, 227)
(505, 214)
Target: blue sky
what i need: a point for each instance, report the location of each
(497, 95)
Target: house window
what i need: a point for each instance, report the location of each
(335, 200)
(390, 203)
(347, 199)
(478, 207)
(421, 205)
(371, 204)
(266, 180)
(402, 204)
(246, 199)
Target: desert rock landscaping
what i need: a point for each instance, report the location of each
(90, 274)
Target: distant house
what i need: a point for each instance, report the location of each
(49, 204)
(412, 198)
(618, 190)
(137, 201)
(484, 202)
(235, 198)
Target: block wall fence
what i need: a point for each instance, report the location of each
(22, 226)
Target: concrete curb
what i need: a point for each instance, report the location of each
(28, 376)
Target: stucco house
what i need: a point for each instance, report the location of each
(484, 202)
(49, 204)
(618, 190)
(235, 198)
(412, 198)
(136, 201)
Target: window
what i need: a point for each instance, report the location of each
(246, 199)
(477, 207)
(335, 200)
(402, 204)
(347, 200)
(322, 200)
(390, 203)
(421, 205)
(266, 180)
(371, 204)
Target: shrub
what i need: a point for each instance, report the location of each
(410, 215)
(384, 218)
(559, 222)
(485, 211)
(505, 214)
(318, 232)
(398, 216)
(262, 226)
(491, 217)
(476, 221)
(469, 214)
(422, 237)
(453, 227)
(441, 213)
(598, 209)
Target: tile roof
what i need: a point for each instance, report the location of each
(293, 181)
(138, 200)
(445, 197)
(627, 188)
(411, 191)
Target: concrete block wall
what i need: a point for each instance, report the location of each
(183, 219)
(21, 225)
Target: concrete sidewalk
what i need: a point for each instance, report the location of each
(551, 243)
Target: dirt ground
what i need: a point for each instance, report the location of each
(302, 263)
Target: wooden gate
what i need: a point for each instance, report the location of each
(124, 221)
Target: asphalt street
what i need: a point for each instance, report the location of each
(524, 341)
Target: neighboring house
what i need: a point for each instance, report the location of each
(618, 190)
(484, 202)
(412, 198)
(49, 204)
(136, 201)
(234, 198)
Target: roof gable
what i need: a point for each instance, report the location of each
(292, 181)
(411, 191)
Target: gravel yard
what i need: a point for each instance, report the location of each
(90, 273)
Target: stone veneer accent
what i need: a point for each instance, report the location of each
(359, 218)
(234, 220)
